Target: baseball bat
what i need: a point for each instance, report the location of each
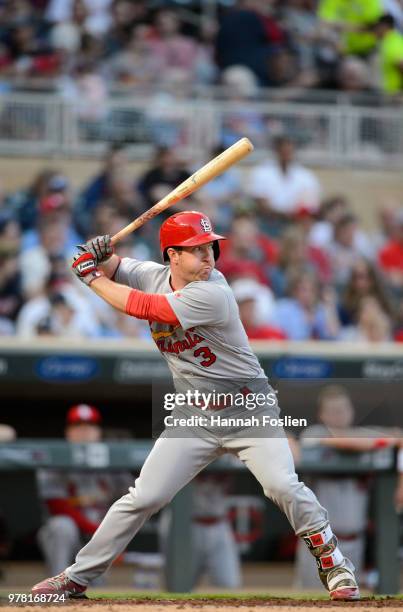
(206, 173)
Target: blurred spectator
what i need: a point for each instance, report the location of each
(75, 502)
(322, 232)
(59, 304)
(66, 35)
(103, 187)
(85, 90)
(25, 202)
(247, 251)
(363, 282)
(125, 15)
(390, 55)
(314, 49)
(304, 315)
(167, 171)
(26, 52)
(354, 75)
(295, 254)
(241, 120)
(398, 320)
(352, 21)
(36, 260)
(170, 47)
(344, 251)
(394, 8)
(330, 212)
(282, 186)
(221, 195)
(346, 498)
(248, 38)
(165, 117)
(97, 12)
(250, 296)
(391, 257)
(372, 323)
(387, 224)
(137, 63)
(61, 321)
(11, 297)
(54, 208)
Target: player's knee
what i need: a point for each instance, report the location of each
(150, 501)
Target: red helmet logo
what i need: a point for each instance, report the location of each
(190, 228)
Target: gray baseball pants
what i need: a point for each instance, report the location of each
(171, 464)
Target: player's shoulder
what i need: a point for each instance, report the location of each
(128, 264)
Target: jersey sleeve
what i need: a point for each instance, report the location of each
(200, 303)
(135, 274)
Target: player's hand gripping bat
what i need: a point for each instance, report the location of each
(206, 173)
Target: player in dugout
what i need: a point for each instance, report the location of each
(75, 501)
(194, 320)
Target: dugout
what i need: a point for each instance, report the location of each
(39, 382)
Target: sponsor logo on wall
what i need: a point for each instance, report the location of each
(386, 370)
(300, 367)
(133, 370)
(66, 368)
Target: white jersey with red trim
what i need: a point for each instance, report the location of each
(210, 340)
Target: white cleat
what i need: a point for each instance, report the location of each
(342, 584)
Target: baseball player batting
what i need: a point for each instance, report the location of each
(194, 320)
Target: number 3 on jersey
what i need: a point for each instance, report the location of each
(208, 357)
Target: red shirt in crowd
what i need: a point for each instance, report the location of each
(265, 332)
(264, 252)
(391, 256)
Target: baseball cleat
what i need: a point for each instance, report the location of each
(342, 584)
(59, 585)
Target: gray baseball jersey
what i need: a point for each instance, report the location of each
(210, 340)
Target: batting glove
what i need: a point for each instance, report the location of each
(84, 266)
(101, 248)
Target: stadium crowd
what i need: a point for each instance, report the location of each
(88, 47)
(302, 267)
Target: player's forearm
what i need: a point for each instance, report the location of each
(110, 266)
(116, 295)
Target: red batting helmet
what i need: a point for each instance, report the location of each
(83, 413)
(189, 228)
